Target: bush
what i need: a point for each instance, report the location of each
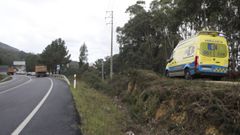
(94, 81)
(119, 85)
(178, 105)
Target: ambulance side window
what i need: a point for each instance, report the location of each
(190, 51)
(171, 57)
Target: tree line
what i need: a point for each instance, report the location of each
(148, 38)
(54, 54)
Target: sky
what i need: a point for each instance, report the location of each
(31, 25)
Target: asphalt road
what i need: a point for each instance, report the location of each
(37, 106)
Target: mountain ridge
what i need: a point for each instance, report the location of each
(8, 54)
(8, 47)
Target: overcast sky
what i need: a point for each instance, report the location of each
(30, 25)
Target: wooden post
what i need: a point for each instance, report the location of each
(75, 81)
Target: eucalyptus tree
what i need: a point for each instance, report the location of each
(149, 37)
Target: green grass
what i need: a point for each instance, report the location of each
(2, 77)
(99, 115)
(179, 106)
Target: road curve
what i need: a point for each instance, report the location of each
(20, 98)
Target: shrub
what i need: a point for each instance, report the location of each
(181, 105)
(92, 79)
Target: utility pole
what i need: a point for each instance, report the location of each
(111, 58)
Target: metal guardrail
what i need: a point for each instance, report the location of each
(61, 77)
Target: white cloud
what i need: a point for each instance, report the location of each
(30, 25)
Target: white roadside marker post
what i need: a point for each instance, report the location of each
(74, 82)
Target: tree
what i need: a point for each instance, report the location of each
(148, 38)
(83, 59)
(83, 56)
(0, 61)
(55, 54)
(31, 61)
(140, 39)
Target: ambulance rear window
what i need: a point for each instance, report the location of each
(213, 50)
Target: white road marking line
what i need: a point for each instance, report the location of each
(7, 84)
(34, 111)
(13, 80)
(2, 83)
(13, 88)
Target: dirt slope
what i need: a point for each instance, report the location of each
(179, 107)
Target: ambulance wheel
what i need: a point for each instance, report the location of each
(187, 74)
(215, 78)
(167, 74)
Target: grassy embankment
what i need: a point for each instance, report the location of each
(99, 115)
(160, 105)
(175, 106)
(180, 107)
(2, 77)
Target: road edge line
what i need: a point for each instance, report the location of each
(34, 111)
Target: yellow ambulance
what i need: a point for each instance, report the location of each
(205, 54)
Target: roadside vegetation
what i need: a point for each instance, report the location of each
(2, 77)
(177, 106)
(159, 105)
(99, 114)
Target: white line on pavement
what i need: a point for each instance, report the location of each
(13, 88)
(15, 80)
(34, 111)
(2, 83)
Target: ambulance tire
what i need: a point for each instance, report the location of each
(187, 74)
(215, 78)
(167, 74)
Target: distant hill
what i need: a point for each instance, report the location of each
(9, 54)
(7, 47)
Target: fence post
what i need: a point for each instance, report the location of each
(74, 82)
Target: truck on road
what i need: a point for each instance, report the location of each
(10, 70)
(41, 71)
